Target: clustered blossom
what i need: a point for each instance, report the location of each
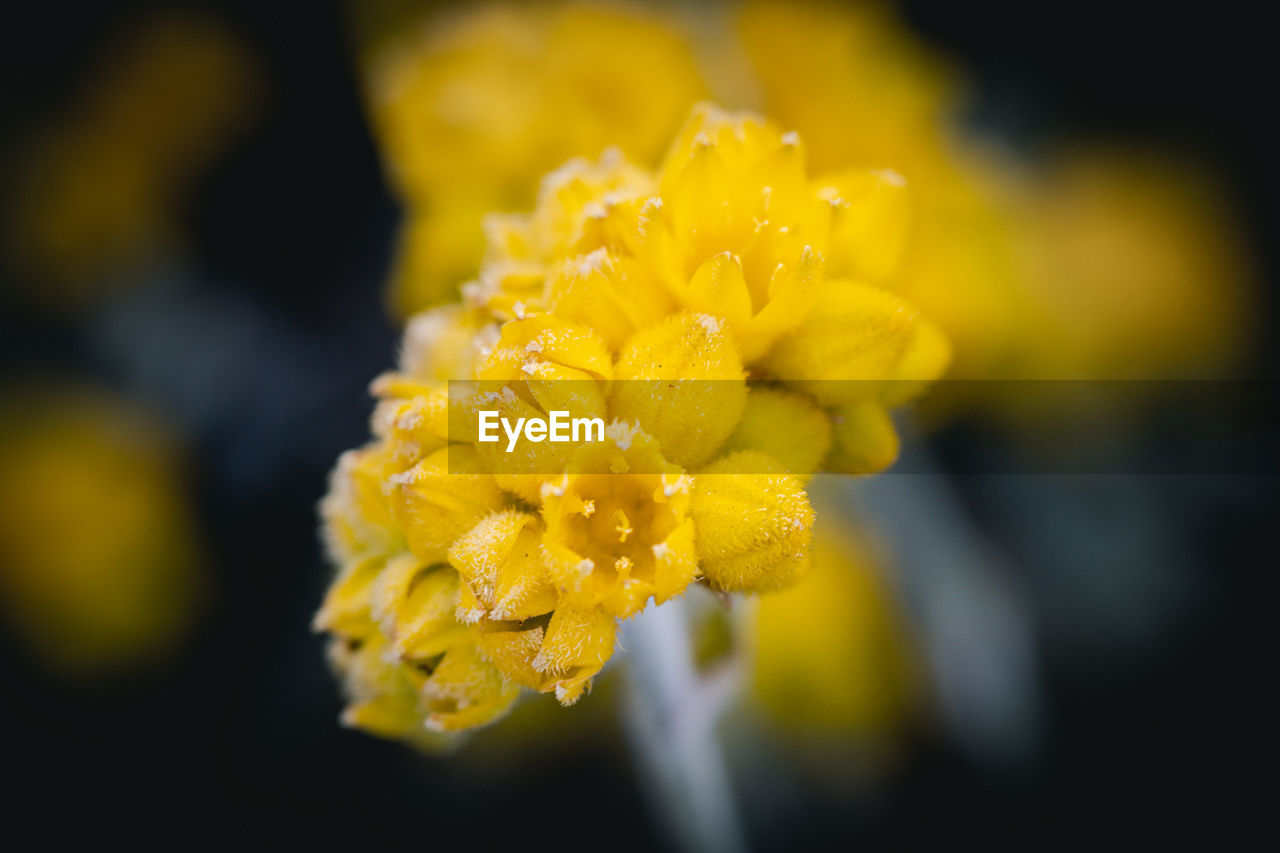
(648, 300)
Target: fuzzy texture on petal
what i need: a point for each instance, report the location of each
(844, 352)
(754, 523)
(500, 561)
(785, 425)
(437, 500)
(870, 223)
(682, 382)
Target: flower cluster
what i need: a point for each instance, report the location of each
(469, 115)
(648, 300)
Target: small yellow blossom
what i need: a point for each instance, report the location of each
(406, 663)
(618, 526)
(754, 523)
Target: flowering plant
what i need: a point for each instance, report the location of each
(648, 301)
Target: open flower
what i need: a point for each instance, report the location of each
(689, 312)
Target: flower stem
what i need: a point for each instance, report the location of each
(670, 713)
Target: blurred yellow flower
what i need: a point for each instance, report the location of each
(471, 108)
(864, 92)
(478, 105)
(831, 657)
(1106, 264)
(645, 300)
(1140, 268)
(97, 191)
(98, 555)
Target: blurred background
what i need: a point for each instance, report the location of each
(212, 233)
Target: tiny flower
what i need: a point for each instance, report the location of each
(754, 523)
(437, 500)
(864, 440)
(504, 575)
(618, 530)
(847, 350)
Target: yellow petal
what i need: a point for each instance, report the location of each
(441, 344)
(615, 296)
(719, 288)
(415, 606)
(500, 559)
(793, 294)
(383, 696)
(695, 411)
(754, 523)
(413, 428)
(870, 223)
(926, 359)
(357, 515)
(465, 690)
(437, 500)
(785, 425)
(847, 347)
(346, 608)
(865, 439)
(577, 644)
(512, 649)
(545, 338)
(675, 563)
(529, 464)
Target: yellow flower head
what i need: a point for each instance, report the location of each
(712, 269)
(1108, 264)
(98, 190)
(645, 302)
(1139, 267)
(98, 555)
(470, 109)
(832, 657)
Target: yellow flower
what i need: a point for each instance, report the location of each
(644, 301)
(754, 523)
(406, 663)
(470, 109)
(98, 190)
(396, 700)
(736, 235)
(99, 565)
(1143, 272)
(618, 526)
(831, 657)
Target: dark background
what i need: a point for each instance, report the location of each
(291, 231)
